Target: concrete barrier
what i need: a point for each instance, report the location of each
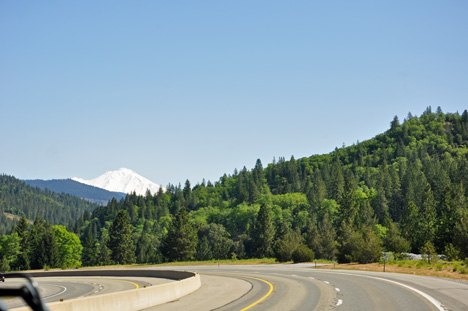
(131, 300)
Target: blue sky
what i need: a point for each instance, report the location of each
(178, 90)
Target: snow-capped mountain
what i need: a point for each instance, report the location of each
(122, 180)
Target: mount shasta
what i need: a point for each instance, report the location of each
(113, 184)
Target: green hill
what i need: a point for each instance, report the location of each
(87, 192)
(403, 190)
(16, 197)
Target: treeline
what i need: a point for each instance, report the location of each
(17, 198)
(402, 191)
(39, 246)
(87, 192)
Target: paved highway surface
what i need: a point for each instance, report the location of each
(53, 288)
(300, 287)
(283, 287)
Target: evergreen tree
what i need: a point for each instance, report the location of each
(264, 232)
(48, 250)
(104, 253)
(181, 240)
(460, 235)
(312, 239)
(446, 220)
(121, 240)
(90, 251)
(22, 229)
(428, 218)
(348, 202)
(394, 124)
(327, 239)
(411, 226)
(336, 187)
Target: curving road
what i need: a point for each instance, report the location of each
(299, 287)
(280, 287)
(54, 289)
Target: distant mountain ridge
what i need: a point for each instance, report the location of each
(72, 187)
(17, 198)
(122, 180)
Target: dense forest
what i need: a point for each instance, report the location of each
(402, 191)
(87, 192)
(17, 198)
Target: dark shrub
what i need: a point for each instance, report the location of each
(303, 254)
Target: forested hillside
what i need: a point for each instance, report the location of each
(403, 190)
(87, 192)
(17, 198)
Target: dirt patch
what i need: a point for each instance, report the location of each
(15, 217)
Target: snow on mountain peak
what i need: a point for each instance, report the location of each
(122, 180)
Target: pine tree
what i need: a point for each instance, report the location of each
(460, 235)
(48, 251)
(348, 203)
(104, 253)
(264, 232)
(411, 225)
(446, 220)
(337, 182)
(121, 240)
(394, 124)
(22, 229)
(312, 239)
(89, 255)
(327, 239)
(180, 243)
(428, 217)
(257, 174)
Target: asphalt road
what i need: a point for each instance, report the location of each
(282, 287)
(53, 289)
(300, 287)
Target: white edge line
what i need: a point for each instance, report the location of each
(436, 303)
(64, 290)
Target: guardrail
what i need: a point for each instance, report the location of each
(131, 300)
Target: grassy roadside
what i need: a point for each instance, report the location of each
(262, 261)
(453, 270)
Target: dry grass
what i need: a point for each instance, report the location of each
(442, 269)
(263, 261)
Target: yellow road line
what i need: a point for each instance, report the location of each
(249, 277)
(136, 285)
